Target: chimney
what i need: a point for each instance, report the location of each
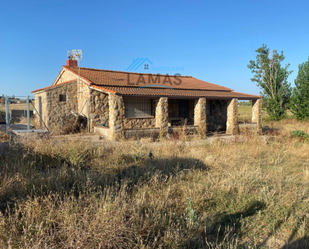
(71, 62)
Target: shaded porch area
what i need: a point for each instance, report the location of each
(149, 116)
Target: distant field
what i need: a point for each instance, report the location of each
(22, 106)
(244, 113)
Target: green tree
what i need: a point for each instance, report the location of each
(271, 77)
(300, 95)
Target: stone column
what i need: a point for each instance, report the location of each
(232, 117)
(200, 116)
(162, 115)
(116, 116)
(257, 114)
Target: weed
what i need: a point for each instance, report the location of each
(190, 215)
(300, 134)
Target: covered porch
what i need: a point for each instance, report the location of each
(152, 116)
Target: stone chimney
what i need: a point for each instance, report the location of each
(71, 62)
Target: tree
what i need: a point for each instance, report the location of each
(271, 77)
(300, 95)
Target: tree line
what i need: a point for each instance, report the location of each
(277, 94)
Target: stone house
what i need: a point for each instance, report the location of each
(135, 104)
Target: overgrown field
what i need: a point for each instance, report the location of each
(248, 193)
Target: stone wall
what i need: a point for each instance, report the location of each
(58, 111)
(216, 121)
(232, 117)
(134, 123)
(55, 112)
(116, 116)
(99, 108)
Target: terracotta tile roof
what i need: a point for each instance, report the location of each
(48, 87)
(133, 84)
(118, 78)
(156, 92)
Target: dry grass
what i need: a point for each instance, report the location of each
(3, 135)
(172, 194)
(13, 106)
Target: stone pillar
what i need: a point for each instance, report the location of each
(257, 114)
(200, 116)
(116, 116)
(162, 115)
(232, 117)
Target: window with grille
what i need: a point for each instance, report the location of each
(62, 98)
(208, 108)
(137, 108)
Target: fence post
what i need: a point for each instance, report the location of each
(28, 113)
(7, 112)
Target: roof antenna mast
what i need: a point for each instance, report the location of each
(76, 54)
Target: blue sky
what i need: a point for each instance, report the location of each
(210, 40)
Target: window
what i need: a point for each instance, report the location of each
(62, 98)
(136, 108)
(208, 108)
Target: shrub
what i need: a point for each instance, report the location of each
(300, 134)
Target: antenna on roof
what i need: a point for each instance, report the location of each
(76, 54)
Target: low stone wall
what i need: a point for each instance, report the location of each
(139, 133)
(132, 123)
(216, 121)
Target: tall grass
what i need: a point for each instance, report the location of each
(249, 193)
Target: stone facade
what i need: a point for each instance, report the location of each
(99, 108)
(116, 116)
(257, 114)
(232, 117)
(200, 116)
(216, 120)
(54, 111)
(162, 114)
